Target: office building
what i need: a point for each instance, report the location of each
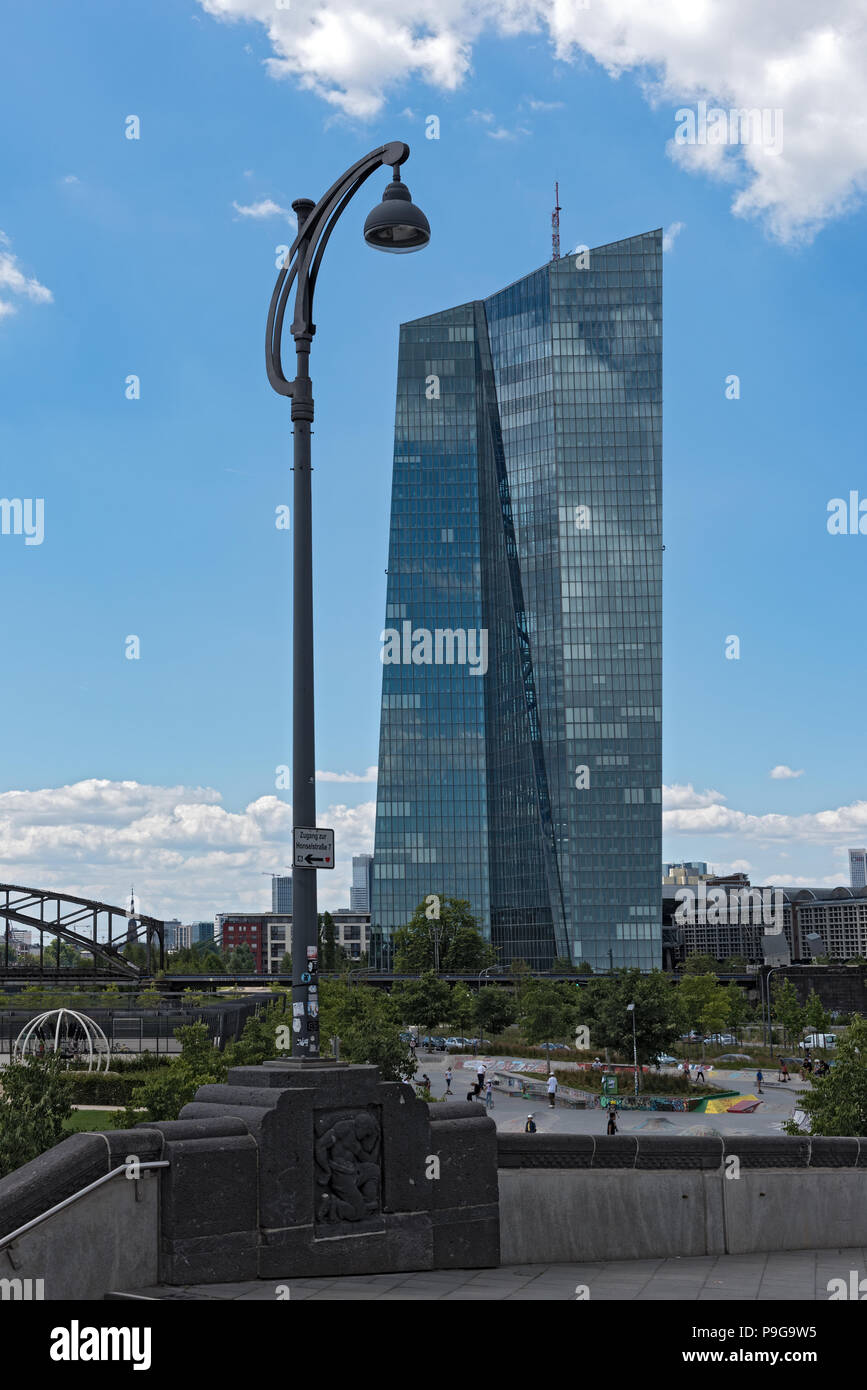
(281, 893)
(361, 892)
(858, 868)
(520, 737)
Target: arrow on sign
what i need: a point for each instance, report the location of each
(317, 858)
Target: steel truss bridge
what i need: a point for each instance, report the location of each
(92, 928)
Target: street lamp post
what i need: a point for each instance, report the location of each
(630, 1008)
(395, 225)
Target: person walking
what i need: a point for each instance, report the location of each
(612, 1121)
(759, 1079)
(489, 1095)
(530, 1126)
(552, 1090)
(448, 1081)
(699, 1076)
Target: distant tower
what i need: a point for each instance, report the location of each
(132, 924)
(555, 224)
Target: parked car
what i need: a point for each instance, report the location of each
(690, 1037)
(663, 1059)
(456, 1042)
(818, 1040)
(478, 1042)
(725, 1038)
(435, 1044)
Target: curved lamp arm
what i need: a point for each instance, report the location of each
(316, 222)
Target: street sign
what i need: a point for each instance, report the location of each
(314, 849)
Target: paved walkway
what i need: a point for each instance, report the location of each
(796, 1275)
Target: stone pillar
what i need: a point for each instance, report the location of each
(354, 1174)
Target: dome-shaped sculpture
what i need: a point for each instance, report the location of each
(65, 1032)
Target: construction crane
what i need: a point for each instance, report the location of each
(555, 224)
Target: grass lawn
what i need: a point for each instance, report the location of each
(81, 1120)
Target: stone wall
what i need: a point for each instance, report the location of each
(576, 1198)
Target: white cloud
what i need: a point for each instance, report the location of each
(266, 207)
(781, 773)
(188, 856)
(368, 776)
(535, 105)
(698, 815)
(791, 55)
(13, 281)
(670, 235)
(70, 178)
(678, 797)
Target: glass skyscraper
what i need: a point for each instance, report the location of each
(520, 742)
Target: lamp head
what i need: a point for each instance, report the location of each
(397, 225)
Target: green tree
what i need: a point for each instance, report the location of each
(136, 954)
(462, 1008)
(738, 1011)
(815, 1013)
(241, 960)
(547, 1013)
(423, 1002)
(602, 1008)
(202, 959)
(258, 1040)
(700, 965)
(149, 998)
(286, 964)
(734, 965)
(495, 1010)
(563, 966)
(328, 951)
(521, 974)
(462, 948)
(367, 1021)
(34, 1102)
(163, 1094)
(837, 1103)
(585, 968)
(787, 1009)
(703, 1003)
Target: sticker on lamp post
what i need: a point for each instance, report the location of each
(314, 849)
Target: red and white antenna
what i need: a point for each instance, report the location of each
(555, 224)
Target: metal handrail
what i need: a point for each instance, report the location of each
(67, 1201)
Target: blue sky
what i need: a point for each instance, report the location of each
(156, 257)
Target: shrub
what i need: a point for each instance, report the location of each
(99, 1088)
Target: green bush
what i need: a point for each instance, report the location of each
(140, 1064)
(654, 1083)
(100, 1088)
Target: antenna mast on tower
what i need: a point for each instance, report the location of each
(555, 224)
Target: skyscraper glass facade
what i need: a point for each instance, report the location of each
(520, 743)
